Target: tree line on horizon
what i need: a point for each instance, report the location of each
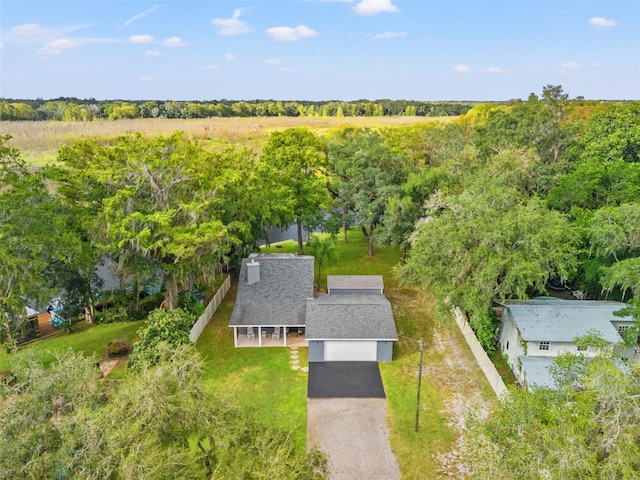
(74, 109)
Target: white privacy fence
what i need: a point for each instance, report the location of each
(485, 363)
(204, 319)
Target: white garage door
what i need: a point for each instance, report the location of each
(350, 350)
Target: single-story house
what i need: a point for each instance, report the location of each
(276, 306)
(534, 332)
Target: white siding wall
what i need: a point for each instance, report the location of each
(510, 344)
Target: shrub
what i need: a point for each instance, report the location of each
(192, 303)
(118, 346)
(486, 327)
(171, 328)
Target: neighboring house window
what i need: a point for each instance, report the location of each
(507, 344)
(582, 348)
(543, 346)
(623, 328)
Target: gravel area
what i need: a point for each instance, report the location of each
(353, 434)
(456, 376)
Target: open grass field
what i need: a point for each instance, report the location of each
(40, 141)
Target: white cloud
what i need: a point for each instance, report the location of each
(373, 7)
(153, 53)
(138, 17)
(173, 42)
(289, 34)
(140, 39)
(229, 57)
(273, 61)
(231, 26)
(386, 35)
(596, 64)
(211, 67)
(496, 70)
(33, 30)
(55, 47)
(570, 65)
(146, 78)
(462, 69)
(602, 22)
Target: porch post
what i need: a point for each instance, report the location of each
(284, 335)
(259, 336)
(235, 337)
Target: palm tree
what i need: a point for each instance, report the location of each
(324, 250)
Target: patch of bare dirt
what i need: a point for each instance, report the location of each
(457, 376)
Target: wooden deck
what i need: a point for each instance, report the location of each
(45, 327)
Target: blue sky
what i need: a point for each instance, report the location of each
(318, 49)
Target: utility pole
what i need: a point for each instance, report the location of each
(419, 385)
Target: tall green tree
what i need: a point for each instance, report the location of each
(32, 234)
(294, 165)
(367, 174)
(159, 203)
(487, 243)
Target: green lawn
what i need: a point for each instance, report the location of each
(259, 378)
(90, 340)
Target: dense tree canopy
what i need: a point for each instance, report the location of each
(587, 428)
(160, 425)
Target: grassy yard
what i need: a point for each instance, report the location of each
(90, 340)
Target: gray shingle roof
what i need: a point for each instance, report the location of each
(564, 320)
(355, 282)
(350, 317)
(279, 298)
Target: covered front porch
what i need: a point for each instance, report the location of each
(269, 336)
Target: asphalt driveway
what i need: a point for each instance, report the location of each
(344, 380)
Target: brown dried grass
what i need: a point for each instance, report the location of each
(40, 141)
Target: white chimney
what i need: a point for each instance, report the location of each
(253, 272)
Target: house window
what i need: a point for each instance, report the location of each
(507, 344)
(582, 348)
(543, 346)
(623, 328)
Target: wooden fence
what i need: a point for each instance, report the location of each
(485, 363)
(204, 319)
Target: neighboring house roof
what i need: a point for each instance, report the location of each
(564, 320)
(536, 371)
(357, 316)
(349, 282)
(279, 297)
